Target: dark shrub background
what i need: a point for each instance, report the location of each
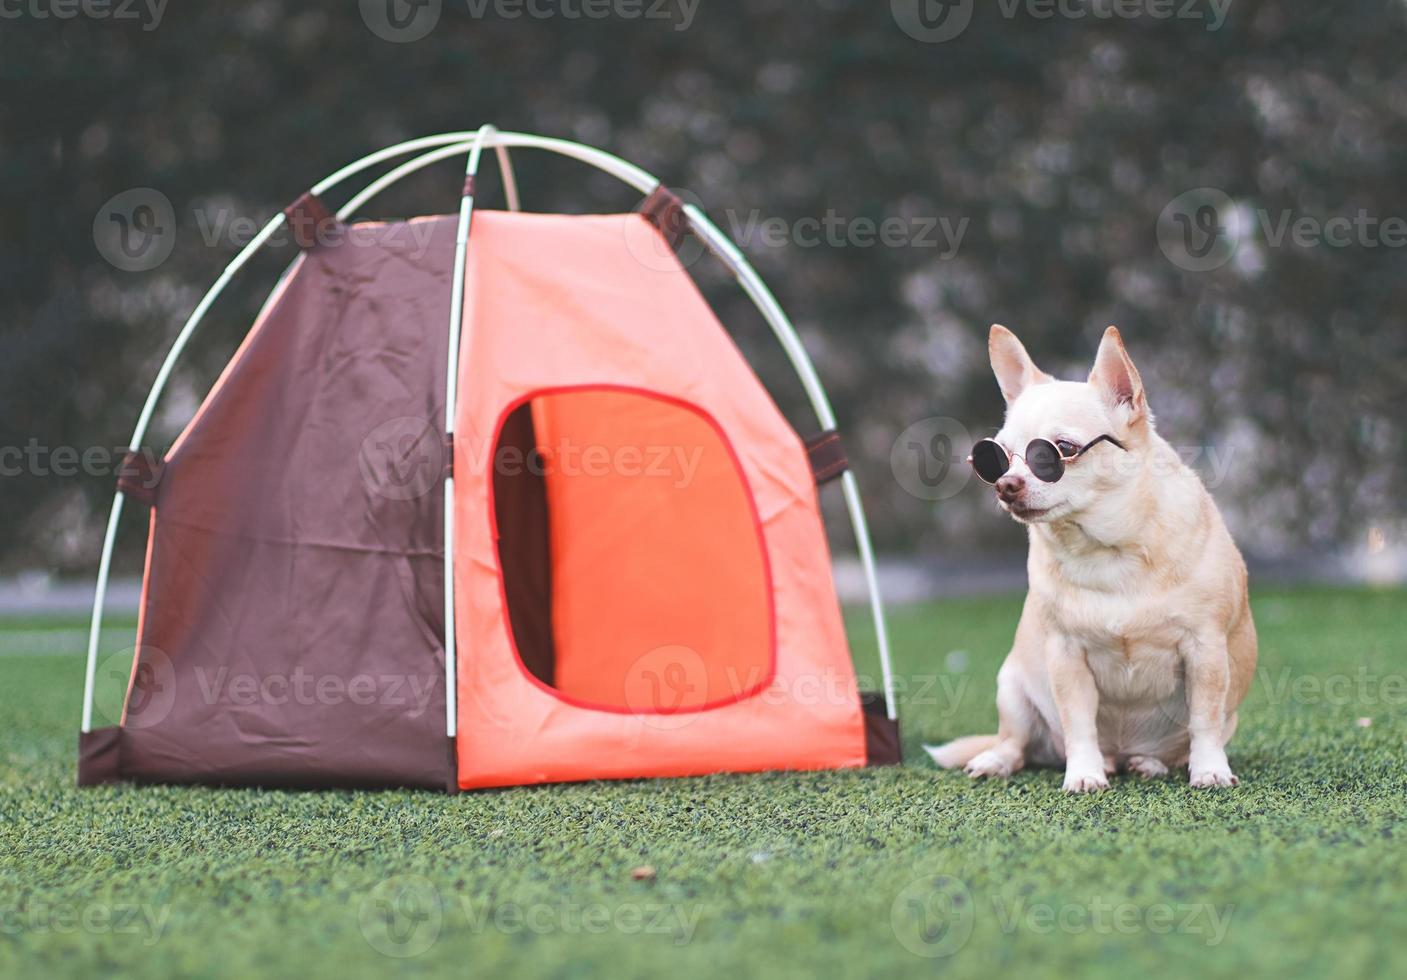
(1054, 142)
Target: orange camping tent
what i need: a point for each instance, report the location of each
(592, 548)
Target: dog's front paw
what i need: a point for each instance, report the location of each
(1213, 777)
(1208, 768)
(989, 763)
(1085, 780)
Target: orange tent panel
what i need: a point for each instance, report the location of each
(694, 622)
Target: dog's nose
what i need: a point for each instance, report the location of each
(1009, 487)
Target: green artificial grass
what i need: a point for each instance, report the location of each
(1300, 871)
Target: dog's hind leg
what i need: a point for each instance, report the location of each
(960, 751)
(1147, 766)
(1001, 754)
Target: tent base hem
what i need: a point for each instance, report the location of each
(100, 761)
(112, 755)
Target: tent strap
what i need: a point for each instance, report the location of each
(665, 211)
(139, 474)
(827, 455)
(309, 220)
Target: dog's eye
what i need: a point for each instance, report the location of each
(1066, 447)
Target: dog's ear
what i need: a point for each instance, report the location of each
(1116, 379)
(1011, 364)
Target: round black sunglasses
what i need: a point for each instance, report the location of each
(990, 460)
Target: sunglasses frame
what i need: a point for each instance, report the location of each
(1064, 460)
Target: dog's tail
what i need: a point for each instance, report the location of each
(960, 751)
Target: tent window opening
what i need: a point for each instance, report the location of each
(634, 575)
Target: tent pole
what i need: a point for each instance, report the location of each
(360, 199)
(95, 628)
(510, 182)
(138, 434)
(453, 144)
(772, 311)
(484, 137)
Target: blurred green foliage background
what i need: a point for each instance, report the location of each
(1054, 143)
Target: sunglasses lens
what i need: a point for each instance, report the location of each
(1044, 460)
(989, 460)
